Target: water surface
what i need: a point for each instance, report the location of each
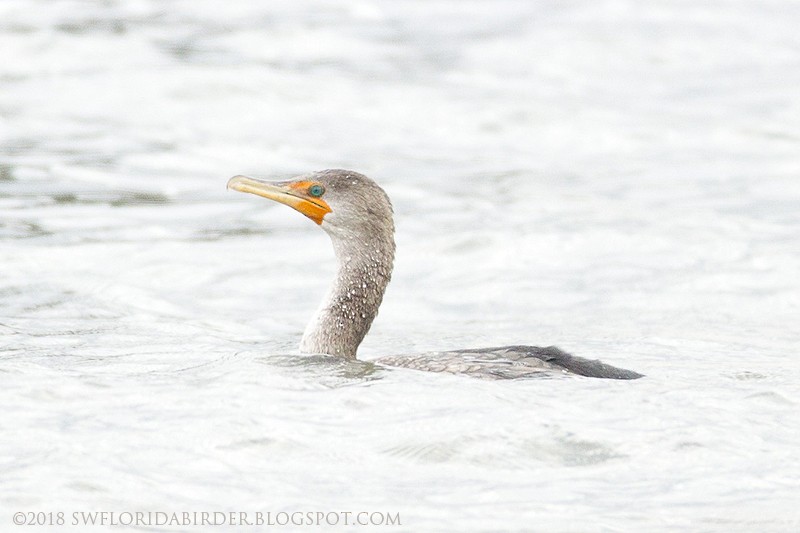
(615, 178)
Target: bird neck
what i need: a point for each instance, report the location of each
(346, 314)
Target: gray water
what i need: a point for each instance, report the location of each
(618, 178)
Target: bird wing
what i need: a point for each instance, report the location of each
(508, 362)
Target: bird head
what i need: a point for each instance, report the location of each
(342, 202)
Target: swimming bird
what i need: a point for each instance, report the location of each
(357, 215)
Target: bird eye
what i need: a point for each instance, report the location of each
(316, 190)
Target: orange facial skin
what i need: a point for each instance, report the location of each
(292, 193)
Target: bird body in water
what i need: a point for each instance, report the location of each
(357, 215)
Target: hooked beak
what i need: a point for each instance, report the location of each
(292, 193)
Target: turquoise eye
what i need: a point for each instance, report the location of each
(316, 190)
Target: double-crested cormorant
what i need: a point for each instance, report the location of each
(357, 215)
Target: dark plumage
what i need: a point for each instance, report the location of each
(509, 362)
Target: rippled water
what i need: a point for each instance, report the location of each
(617, 178)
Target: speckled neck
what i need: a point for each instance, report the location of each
(346, 314)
